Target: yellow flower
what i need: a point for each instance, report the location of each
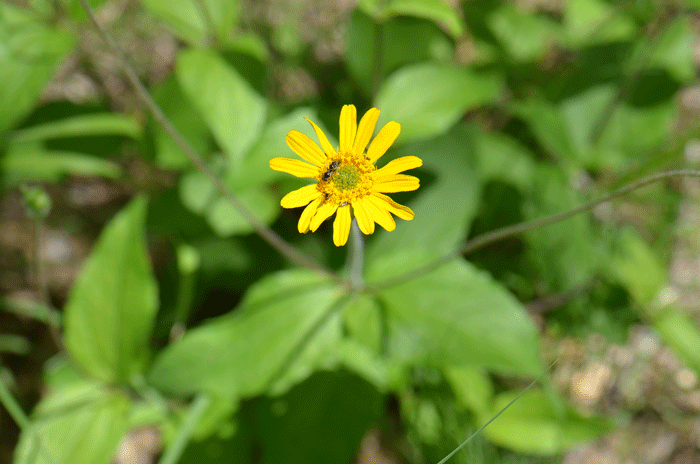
(347, 177)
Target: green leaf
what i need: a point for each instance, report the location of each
(673, 50)
(34, 163)
(82, 422)
(455, 316)
(110, 312)
(472, 388)
(525, 36)
(234, 112)
(552, 249)
(680, 332)
(532, 425)
(321, 420)
(637, 268)
(200, 196)
(444, 208)
(547, 124)
(434, 10)
(588, 22)
(179, 111)
(280, 320)
(570, 130)
(427, 99)
(194, 20)
(80, 126)
(504, 159)
(29, 54)
(403, 40)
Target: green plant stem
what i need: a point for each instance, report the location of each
(142, 93)
(356, 260)
(516, 229)
(13, 407)
(194, 413)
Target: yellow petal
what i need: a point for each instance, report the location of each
(306, 148)
(325, 144)
(383, 141)
(341, 226)
(308, 213)
(397, 183)
(294, 167)
(404, 212)
(398, 165)
(379, 213)
(300, 197)
(363, 218)
(348, 127)
(323, 213)
(365, 131)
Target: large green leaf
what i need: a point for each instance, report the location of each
(110, 312)
(195, 20)
(234, 112)
(533, 425)
(29, 54)
(445, 207)
(321, 420)
(455, 315)
(283, 320)
(428, 98)
(81, 422)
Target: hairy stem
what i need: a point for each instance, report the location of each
(516, 229)
(261, 229)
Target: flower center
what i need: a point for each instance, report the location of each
(346, 177)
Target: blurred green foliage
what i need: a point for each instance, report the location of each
(516, 112)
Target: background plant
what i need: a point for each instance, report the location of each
(233, 338)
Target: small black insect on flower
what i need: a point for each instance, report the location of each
(331, 169)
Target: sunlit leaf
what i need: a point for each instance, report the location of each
(29, 53)
(234, 112)
(532, 425)
(455, 316)
(110, 312)
(82, 422)
(281, 319)
(427, 99)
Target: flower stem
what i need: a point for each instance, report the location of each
(356, 260)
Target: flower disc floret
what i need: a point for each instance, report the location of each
(349, 184)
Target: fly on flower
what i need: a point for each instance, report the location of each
(348, 182)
